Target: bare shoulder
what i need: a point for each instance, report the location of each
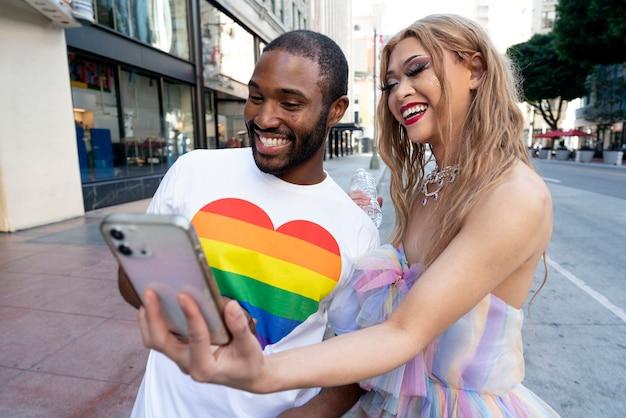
(521, 197)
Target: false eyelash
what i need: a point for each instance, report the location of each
(418, 69)
(386, 87)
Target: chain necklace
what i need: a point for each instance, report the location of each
(438, 178)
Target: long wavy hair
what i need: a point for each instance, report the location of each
(491, 138)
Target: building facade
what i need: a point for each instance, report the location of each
(123, 97)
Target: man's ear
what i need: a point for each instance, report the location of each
(476, 66)
(337, 109)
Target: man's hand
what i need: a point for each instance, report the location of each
(329, 403)
(239, 364)
(251, 320)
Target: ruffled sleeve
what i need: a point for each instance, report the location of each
(379, 282)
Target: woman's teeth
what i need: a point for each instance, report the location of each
(412, 111)
(273, 142)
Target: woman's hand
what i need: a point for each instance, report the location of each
(362, 200)
(239, 364)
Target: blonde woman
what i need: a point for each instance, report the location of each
(440, 311)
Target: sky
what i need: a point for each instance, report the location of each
(507, 24)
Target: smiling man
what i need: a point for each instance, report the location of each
(277, 231)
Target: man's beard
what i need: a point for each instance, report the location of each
(301, 149)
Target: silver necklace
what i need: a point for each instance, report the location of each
(438, 178)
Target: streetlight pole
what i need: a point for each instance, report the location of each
(374, 163)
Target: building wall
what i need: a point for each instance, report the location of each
(365, 20)
(39, 177)
(334, 19)
(544, 14)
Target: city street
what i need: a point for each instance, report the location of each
(575, 337)
(71, 345)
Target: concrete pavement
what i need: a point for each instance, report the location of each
(70, 345)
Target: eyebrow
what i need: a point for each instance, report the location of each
(284, 90)
(406, 61)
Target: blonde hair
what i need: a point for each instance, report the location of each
(491, 134)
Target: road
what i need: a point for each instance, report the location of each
(575, 332)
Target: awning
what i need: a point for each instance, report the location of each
(560, 134)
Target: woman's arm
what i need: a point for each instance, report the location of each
(511, 225)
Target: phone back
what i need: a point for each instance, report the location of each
(161, 252)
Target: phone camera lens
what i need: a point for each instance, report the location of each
(125, 250)
(117, 234)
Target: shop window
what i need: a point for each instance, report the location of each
(94, 99)
(231, 126)
(159, 23)
(178, 115)
(227, 48)
(143, 137)
(209, 119)
(145, 146)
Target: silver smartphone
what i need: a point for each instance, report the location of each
(162, 252)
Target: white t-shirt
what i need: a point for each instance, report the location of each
(278, 248)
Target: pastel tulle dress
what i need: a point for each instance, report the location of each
(473, 370)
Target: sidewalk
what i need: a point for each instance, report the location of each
(70, 345)
(597, 163)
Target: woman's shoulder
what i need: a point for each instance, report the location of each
(521, 194)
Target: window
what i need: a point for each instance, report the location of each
(143, 140)
(159, 23)
(209, 119)
(94, 98)
(227, 48)
(178, 116)
(126, 123)
(547, 20)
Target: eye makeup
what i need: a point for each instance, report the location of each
(412, 67)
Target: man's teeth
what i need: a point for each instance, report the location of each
(273, 142)
(421, 108)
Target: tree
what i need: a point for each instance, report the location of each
(607, 100)
(591, 31)
(547, 79)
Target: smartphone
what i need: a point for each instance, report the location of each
(162, 252)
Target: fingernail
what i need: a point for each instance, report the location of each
(237, 312)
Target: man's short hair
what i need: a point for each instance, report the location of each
(332, 63)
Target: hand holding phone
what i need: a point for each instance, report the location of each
(162, 252)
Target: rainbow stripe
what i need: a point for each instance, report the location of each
(278, 275)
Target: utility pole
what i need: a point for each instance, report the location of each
(374, 163)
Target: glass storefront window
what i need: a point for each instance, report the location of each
(160, 23)
(178, 115)
(227, 48)
(231, 125)
(145, 146)
(94, 98)
(209, 119)
(143, 138)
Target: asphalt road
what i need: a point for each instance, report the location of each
(575, 332)
(597, 178)
(575, 337)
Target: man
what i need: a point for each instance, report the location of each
(277, 231)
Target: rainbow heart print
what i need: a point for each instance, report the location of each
(279, 275)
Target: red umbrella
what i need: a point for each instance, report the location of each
(550, 134)
(575, 132)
